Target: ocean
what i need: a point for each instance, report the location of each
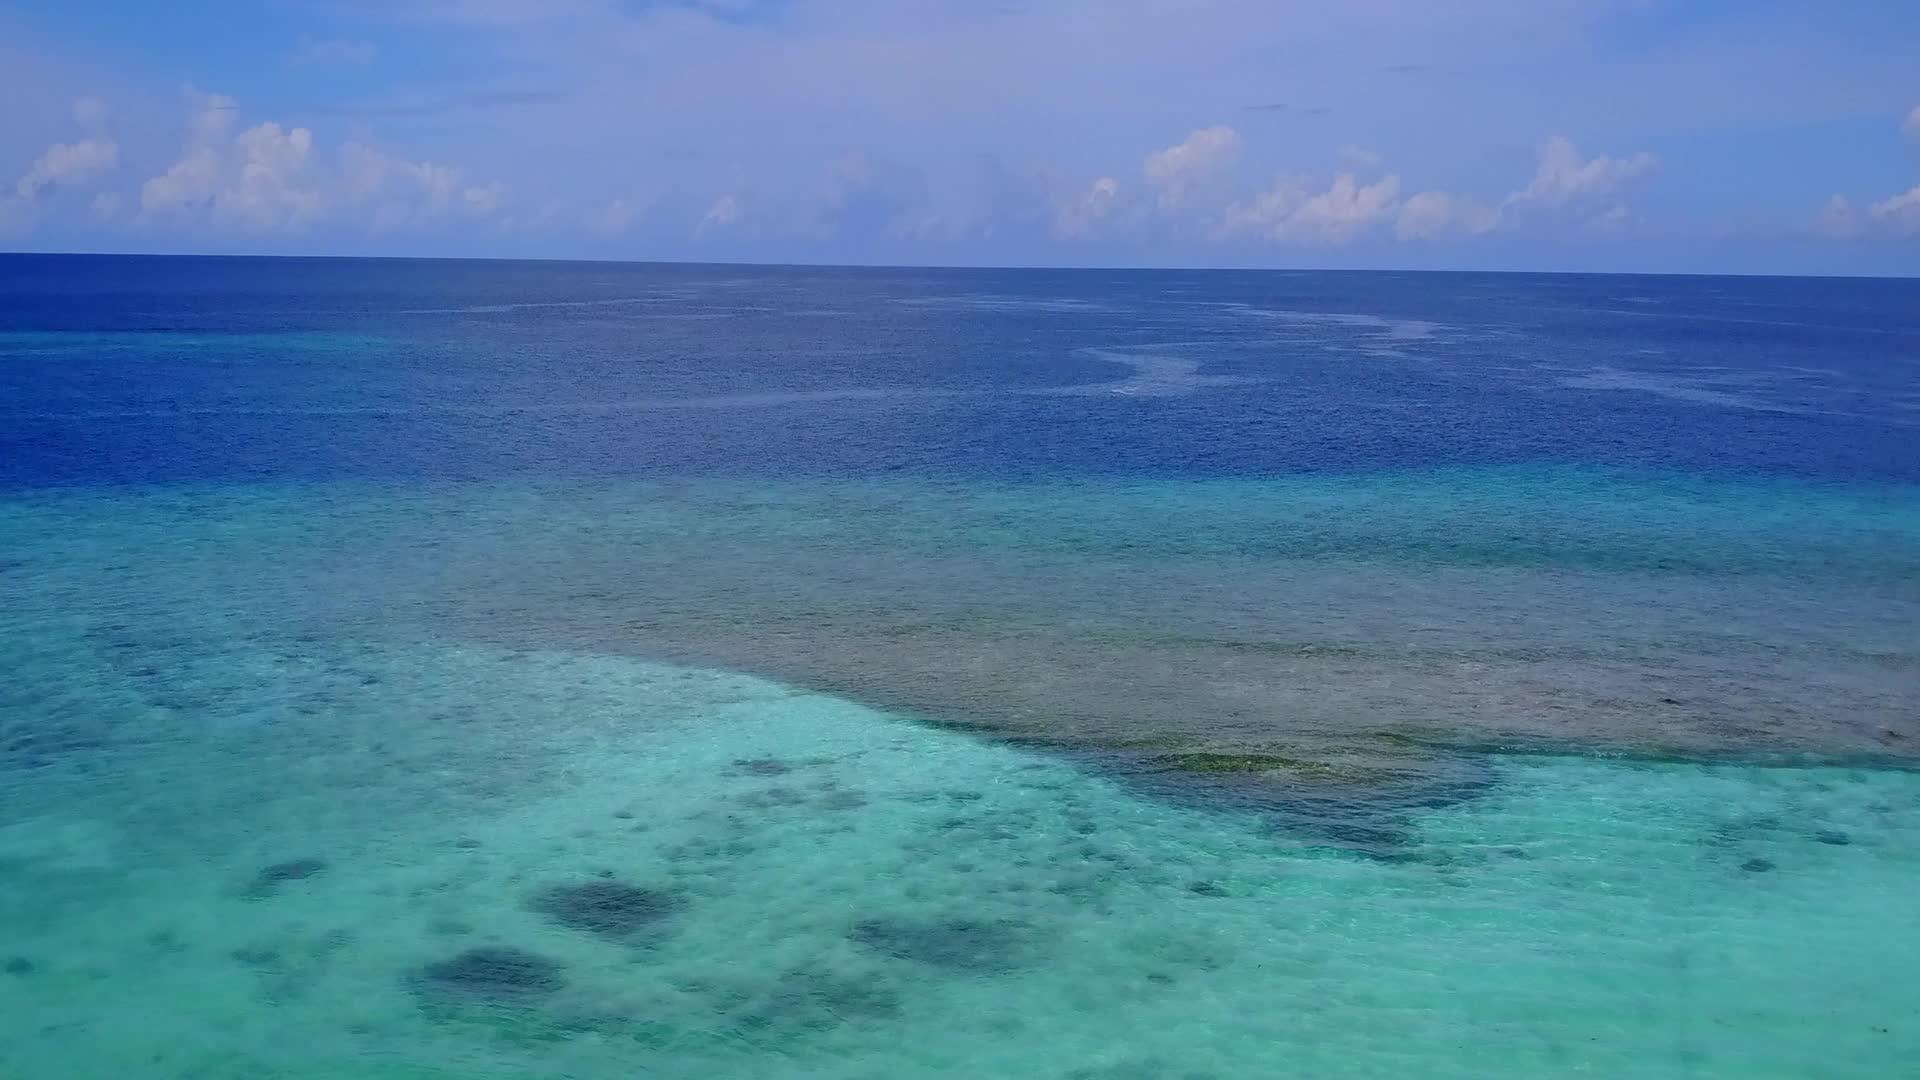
(441, 669)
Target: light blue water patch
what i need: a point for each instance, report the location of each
(436, 861)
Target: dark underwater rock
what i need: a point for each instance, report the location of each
(497, 975)
(268, 880)
(1757, 865)
(763, 767)
(957, 944)
(1834, 837)
(611, 909)
(19, 965)
(292, 870)
(257, 956)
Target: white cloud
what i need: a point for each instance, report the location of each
(258, 181)
(1297, 210)
(1180, 169)
(106, 205)
(1564, 176)
(190, 181)
(273, 189)
(68, 164)
(1293, 212)
(332, 51)
(1081, 215)
(1434, 214)
(1897, 214)
(213, 115)
(1837, 218)
(268, 178)
(1901, 213)
(405, 193)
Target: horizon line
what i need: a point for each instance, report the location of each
(1037, 267)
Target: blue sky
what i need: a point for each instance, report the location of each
(1656, 135)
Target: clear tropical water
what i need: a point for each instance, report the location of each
(498, 670)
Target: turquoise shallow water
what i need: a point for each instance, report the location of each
(289, 767)
(488, 670)
(854, 895)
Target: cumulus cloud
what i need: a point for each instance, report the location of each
(71, 164)
(1431, 215)
(1898, 215)
(404, 193)
(1292, 212)
(68, 164)
(1837, 218)
(269, 178)
(1179, 170)
(258, 180)
(1564, 176)
(1188, 190)
(1084, 214)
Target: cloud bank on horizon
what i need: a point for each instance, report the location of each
(1556, 134)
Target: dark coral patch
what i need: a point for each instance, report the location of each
(257, 956)
(490, 975)
(957, 944)
(292, 870)
(19, 965)
(1834, 837)
(1757, 865)
(763, 767)
(268, 880)
(612, 909)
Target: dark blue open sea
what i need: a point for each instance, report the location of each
(444, 670)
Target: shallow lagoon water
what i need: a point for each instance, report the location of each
(277, 807)
(858, 895)
(457, 670)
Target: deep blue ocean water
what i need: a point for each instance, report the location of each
(327, 369)
(454, 669)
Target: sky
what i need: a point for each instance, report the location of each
(1743, 136)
